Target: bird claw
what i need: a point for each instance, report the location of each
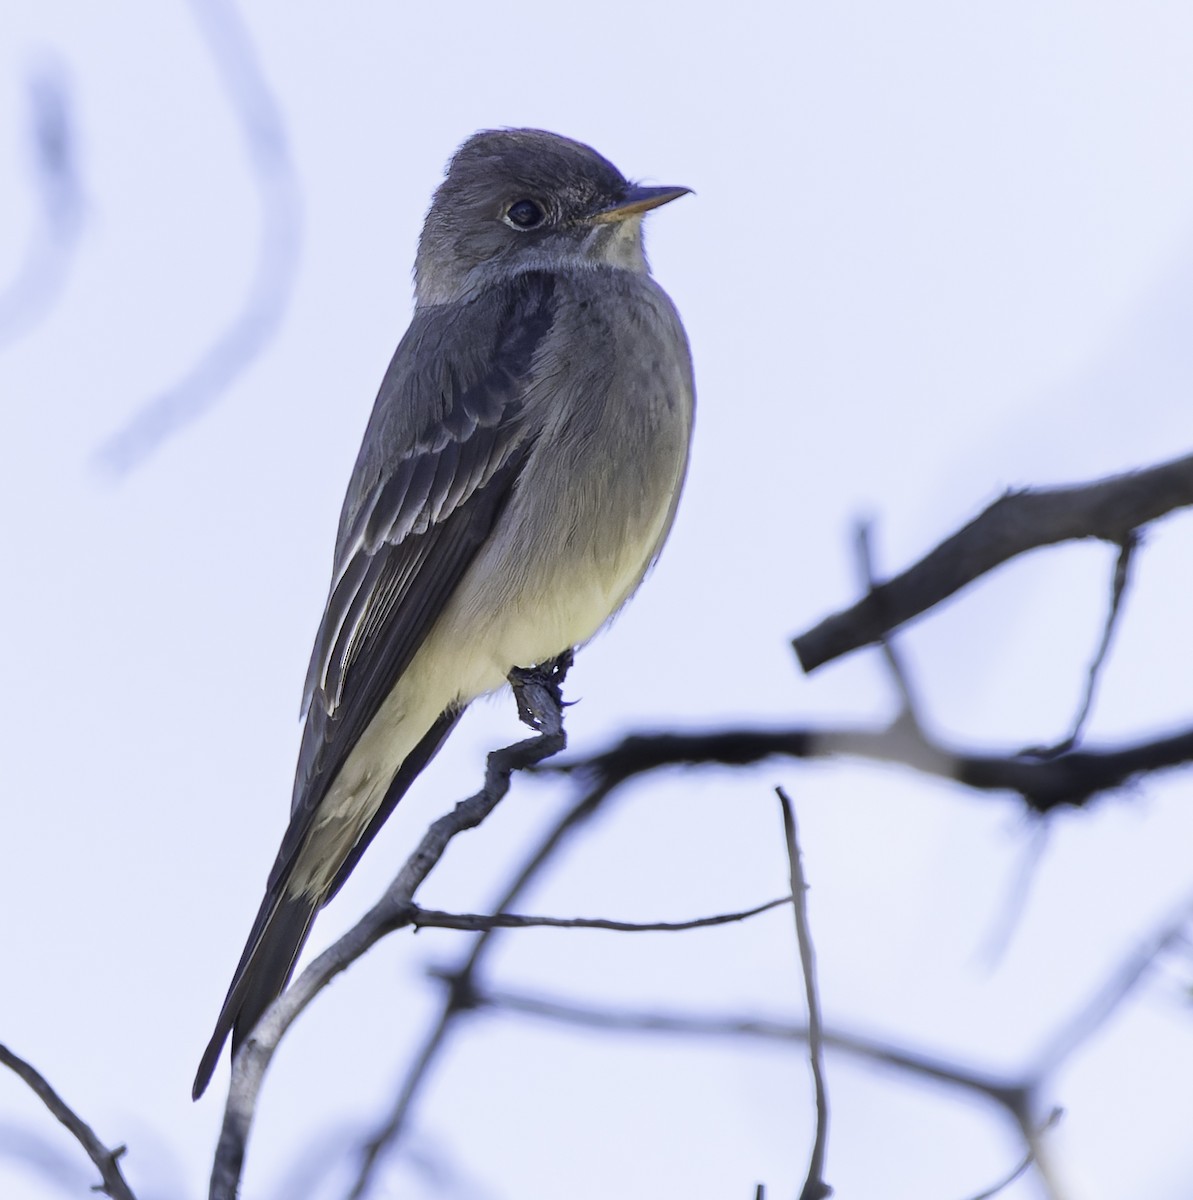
(548, 675)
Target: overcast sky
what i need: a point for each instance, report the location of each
(935, 250)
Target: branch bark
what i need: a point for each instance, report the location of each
(1110, 510)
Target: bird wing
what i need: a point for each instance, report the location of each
(445, 444)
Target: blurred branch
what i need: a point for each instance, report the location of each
(1109, 509)
(269, 292)
(1120, 982)
(43, 269)
(1027, 1162)
(1017, 894)
(1071, 778)
(909, 708)
(107, 1161)
(1010, 1095)
(43, 1156)
(815, 1187)
(540, 696)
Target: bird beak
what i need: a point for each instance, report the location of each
(638, 200)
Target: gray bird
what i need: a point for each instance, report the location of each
(518, 476)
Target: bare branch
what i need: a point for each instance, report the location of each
(1118, 586)
(815, 1187)
(476, 922)
(1109, 509)
(107, 1161)
(1071, 778)
(539, 692)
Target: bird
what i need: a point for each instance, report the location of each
(517, 478)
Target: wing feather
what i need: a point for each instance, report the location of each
(424, 496)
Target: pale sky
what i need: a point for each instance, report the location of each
(935, 251)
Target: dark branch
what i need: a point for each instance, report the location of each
(1110, 510)
(107, 1161)
(1069, 779)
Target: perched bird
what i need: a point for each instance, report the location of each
(518, 476)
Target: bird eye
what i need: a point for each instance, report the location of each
(524, 214)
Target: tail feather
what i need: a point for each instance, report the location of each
(284, 921)
(264, 970)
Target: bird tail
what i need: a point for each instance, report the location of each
(284, 920)
(265, 967)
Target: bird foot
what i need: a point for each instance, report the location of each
(548, 675)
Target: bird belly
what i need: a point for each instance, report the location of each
(520, 606)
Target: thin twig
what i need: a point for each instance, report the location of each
(1021, 1168)
(1029, 1160)
(476, 922)
(1108, 509)
(815, 1188)
(107, 1161)
(541, 696)
(863, 544)
(1118, 586)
